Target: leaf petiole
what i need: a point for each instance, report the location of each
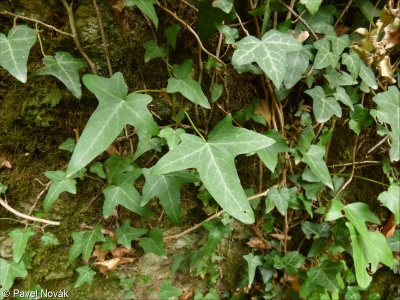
(194, 127)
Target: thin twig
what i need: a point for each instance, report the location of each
(352, 170)
(241, 24)
(177, 236)
(75, 36)
(103, 37)
(36, 21)
(192, 31)
(47, 185)
(300, 19)
(343, 13)
(356, 163)
(190, 5)
(17, 213)
(289, 13)
(379, 143)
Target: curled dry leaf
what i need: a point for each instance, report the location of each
(112, 264)
(390, 227)
(263, 110)
(280, 236)
(259, 243)
(5, 163)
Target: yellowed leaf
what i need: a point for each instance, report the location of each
(280, 236)
(263, 110)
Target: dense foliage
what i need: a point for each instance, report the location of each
(327, 78)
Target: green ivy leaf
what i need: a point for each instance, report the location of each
(297, 64)
(109, 244)
(3, 188)
(20, 240)
(84, 242)
(173, 137)
(147, 7)
(252, 262)
(388, 111)
(225, 5)
(269, 53)
(360, 117)
(352, 293)
(353, 63)
(391, 199)
(115, 110)
(184, 84)
(117, 166)
(8, 272)
(126, 195)
(14, 50)
(312, 5)
(231, 34)
(394, 241)
(171, 33)
(369, 248)
(338, 78)
(325, 56)
(214, 159)
(209, 15)
(167, 189)
(368, 76)
(324, 107)
(317, 246)
(59, 183)
(343, 97)
(145, 144)
(68, 145)
(153, 51)
(269, 155)
(290, 262)
(280, 198)
(126, 233)
(97, 168)
(324, 276)
(216, 92)
(64, 67)
(314, 158)
(315, 230)
(85, 276)
(216, 231)
(168, 291)
(49, 239)
(154, 243)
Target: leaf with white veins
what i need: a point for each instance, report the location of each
(64, 67)
(269, 53)
(115, 110)
(214, 159)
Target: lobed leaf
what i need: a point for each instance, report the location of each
(269, 53)
(214, 159)
(64, 67)
(115, 110)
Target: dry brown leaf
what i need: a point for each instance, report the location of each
(263, 110)
(302, 36)
(259, 243)
(5, 163)
(293, 280)
(100, 255)
(118, 5)
(188, 295)
(280, 236)
(112, 150)
(121, 251)
(389, 228)
(386, 71)
(112, 264)
(341, 29)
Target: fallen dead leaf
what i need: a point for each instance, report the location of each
(389, 228)
(188, 295)
(121, 251)
(101, 255)
(112, 150)
(263, 110)
(112, 264)
(259, 243)
(280, 236)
